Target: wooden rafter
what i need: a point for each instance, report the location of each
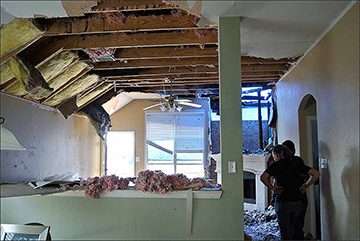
(165, 52)
(102, 24)
(129, 5)
(143, 63)
(96, 96)
(122, 40)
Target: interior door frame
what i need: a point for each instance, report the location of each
(311, 192)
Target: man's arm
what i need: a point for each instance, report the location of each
(265, 178)
(314, 175)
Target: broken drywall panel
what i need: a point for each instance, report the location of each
(17, 33)
(99, 118)
(28, 77)
(69, 107)
(78, 8)
(81, 102)
(74, 89)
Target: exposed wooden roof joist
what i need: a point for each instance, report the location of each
(102, 24)
(130, 5)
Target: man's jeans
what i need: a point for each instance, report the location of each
(299, 222)
(287, 212)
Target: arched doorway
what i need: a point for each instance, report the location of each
(309, 150)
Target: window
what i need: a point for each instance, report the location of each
(120, 152)
(175, 143)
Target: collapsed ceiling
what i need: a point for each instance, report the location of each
(118, 46)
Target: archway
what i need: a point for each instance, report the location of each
(308, 132)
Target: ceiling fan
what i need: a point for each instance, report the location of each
(171, 103)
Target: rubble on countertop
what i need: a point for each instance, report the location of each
(262, 225)
(255, 152)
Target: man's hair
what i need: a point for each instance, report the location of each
(283, 151)
(289, 144)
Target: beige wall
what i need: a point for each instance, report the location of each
(330, 73)
(132, 118)
(53, 144)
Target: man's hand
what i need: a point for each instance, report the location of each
(278, 189)
(303, 188)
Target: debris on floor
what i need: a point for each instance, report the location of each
(262, 225)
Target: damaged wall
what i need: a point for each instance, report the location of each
(330, 73)
(53, 145)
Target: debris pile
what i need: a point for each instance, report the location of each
(254, 152)
(149, 181)
(95, 185)
(262, 225)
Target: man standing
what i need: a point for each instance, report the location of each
(289, 188)
(300, 221)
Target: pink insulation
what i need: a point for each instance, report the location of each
(95, 53)
(116, 17)
(95, 185)
(178, 13)
(202, 32)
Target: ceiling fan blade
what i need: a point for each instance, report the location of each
(189, 104)
(152, 106)
(182, 100)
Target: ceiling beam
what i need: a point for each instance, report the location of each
(129, 5)
(165, 52)
(147, 63)
(122, 40)
(102, 24)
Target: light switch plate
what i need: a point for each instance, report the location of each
(231, 167)
(324, 163)
(137, 159)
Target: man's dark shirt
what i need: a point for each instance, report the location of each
(287, 174)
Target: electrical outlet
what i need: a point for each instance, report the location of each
(324, 163)
(137, 159)
(231, 167)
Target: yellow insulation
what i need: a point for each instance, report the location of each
(74, 89)
(17, 33)
(92, 95)
(6, 73)
(17, 89)
(54, 66)
(64, 77)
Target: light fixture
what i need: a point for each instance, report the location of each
(8, 140)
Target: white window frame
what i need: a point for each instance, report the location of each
(175, 163)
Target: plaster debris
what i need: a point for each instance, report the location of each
(17, 33)
(78, 8)
(262, 225)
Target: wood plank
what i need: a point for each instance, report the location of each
(68, 83)
(129, 5)
(165, 52)
(147, 63)
(87, 25)
(119, 40)
(160, 78)
(160, 83)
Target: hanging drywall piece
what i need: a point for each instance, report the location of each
(78, 8)
(69, 107)
(29, 77)
(16, 34)
(99, 119)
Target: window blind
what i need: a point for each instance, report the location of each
(189, 133)
(160, 127)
